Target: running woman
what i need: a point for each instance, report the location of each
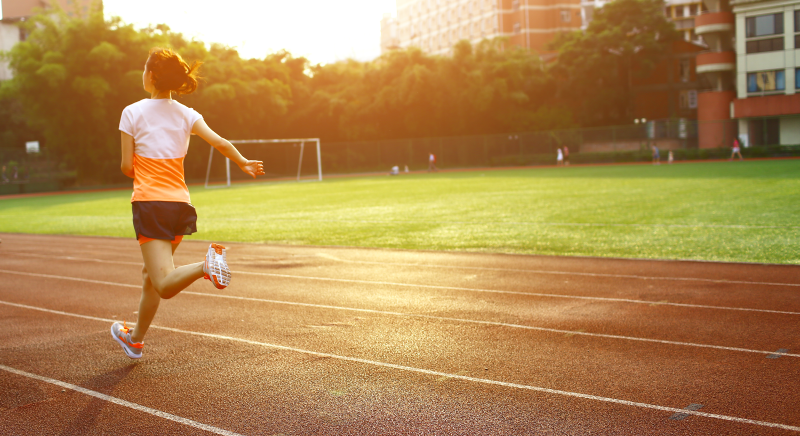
(155, 138)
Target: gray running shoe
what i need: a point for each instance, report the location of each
(122, 334)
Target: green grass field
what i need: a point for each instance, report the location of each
(727, 211)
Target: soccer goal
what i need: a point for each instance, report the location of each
(279, 156)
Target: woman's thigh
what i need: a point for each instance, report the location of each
(157, 255)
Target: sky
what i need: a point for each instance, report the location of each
(323, 31)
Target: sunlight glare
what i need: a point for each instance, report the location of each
(323, 31)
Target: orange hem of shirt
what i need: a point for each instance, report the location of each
(145, 239)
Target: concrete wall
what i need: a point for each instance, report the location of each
(790, 131)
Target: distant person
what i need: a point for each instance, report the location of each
(155, 138)
(395, 171)
(736, 149)
(656, 156)
(559, 157)
(4, 176)
(16, 173)
(432, 163)
(670, 157)
(566, 155)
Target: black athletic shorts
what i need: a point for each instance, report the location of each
(163, 219)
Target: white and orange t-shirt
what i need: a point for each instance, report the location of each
(160, 129)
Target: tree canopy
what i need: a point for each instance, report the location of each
(595, 68)
(73, 77)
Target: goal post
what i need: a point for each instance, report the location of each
(301, 142)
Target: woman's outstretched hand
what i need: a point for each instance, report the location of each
(253, 168)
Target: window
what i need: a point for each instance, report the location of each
(766, 81)
(688, 99)
(764, 131)
(797, 28)
(692, 10)
(685, 70)
(797, 21)
(566, 17)
(762, 45)
(797, 78)
(763, 25)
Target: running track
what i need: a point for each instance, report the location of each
(344, 341)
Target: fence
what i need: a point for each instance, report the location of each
(22, 173)
(507, 149)
(631, 143)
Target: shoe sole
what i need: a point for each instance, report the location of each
(213, 278)
(123, 345)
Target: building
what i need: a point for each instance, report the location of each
(670, 91)
(767, 104)
(683, 13)
(750, 73)
(389, 39)
(14, 11)
(717, 70)
(437, 25)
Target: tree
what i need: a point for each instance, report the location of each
(73, 77)
(595, 68)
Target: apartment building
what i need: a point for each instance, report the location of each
(389, 37)
(767, 104)
(436, 25)
(14, 11)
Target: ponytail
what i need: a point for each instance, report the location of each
(171, 72)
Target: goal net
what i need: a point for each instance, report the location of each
(284, 159)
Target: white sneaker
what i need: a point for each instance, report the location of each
(122, 334)
(216, 268)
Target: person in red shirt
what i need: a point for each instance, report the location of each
(432, 163)
(736, 149)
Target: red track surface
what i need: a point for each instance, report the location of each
(311, 340)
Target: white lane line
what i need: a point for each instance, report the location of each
(530, 294)
(494, 291)
(532, 271)
(121, 402)
(562, 273)
(74, 279)
(438, 373)
(441, 318)
(79, 259)
(494, 323)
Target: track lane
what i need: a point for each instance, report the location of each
(738, 295)
(433, 409)
(167, 373)
(748, 331)
(637, 372)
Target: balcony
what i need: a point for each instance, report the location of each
(713, 22)
(715, 61)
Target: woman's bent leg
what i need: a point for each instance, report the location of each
(167, 280)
